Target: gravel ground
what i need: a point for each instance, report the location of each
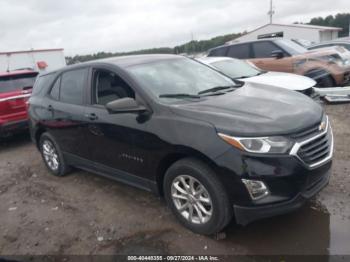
(86, 214)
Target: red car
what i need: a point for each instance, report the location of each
(15, 90)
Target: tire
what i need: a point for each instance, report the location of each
(52, 155)
(218, 211)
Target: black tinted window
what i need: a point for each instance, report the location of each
(17, 82)
(221, 51)
(264, 49)
(55, 91)
(239, 51)
(72, 85)
(109, 87)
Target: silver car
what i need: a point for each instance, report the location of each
(247, 72)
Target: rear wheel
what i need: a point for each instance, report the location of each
(52, 155)
(197, 197)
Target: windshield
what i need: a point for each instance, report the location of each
(16, 82)
(291, 47)
(178, 76)
(236, 68)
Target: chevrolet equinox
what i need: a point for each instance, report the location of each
(215, 149)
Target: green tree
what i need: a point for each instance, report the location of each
(341, 20)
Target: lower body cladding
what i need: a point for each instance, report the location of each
(268, 186)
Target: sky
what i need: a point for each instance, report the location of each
(90, 26)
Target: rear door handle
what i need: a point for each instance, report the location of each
(50, 108)
(91, 116)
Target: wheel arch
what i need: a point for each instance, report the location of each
(180, 153)
(38, 132)
(320, 71)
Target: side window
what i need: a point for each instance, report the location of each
(264, 49)
(72, 86)
(221, 51)
(108, 86)
(55, 90)
(239, 51)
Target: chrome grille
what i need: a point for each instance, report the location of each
(315, 150)
(314, 147)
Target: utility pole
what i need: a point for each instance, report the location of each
(271, 12)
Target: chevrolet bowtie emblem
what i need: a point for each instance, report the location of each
(322, 126)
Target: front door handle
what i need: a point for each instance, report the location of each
(91, 116)
(50, 108)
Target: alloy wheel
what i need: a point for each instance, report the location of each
(191, 199)
(50, 155)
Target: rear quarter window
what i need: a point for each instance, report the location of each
(17, 82)
(41, 83)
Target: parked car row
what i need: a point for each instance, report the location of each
(216, 145)
(327, 66)
(231, 135)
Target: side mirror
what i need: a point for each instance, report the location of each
(125, 105)
(278, 54)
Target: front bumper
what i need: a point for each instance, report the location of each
(247, 214)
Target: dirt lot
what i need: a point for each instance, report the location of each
(86, 214)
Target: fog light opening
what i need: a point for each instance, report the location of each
(257, 189)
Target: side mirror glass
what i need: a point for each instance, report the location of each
(278, 54)
(125, 105)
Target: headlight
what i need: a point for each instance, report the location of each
(270, 145)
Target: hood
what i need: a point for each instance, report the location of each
(255, 110)
(283, 80)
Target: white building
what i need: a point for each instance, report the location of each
(38, 60)
(312, 33)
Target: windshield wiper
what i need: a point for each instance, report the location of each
(247, 76)
(180, 95)
(215, 89)
(261, 73)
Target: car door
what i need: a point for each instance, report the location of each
(262, 57)
(111, 138)
(66, 107)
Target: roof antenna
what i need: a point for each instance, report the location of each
(271, 11)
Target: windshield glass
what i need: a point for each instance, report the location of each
(291, 47)
(16, 82)
(178, 76)
(236, 68)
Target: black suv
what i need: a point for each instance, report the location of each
(165, 123)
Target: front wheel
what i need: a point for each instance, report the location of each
(197, 197)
